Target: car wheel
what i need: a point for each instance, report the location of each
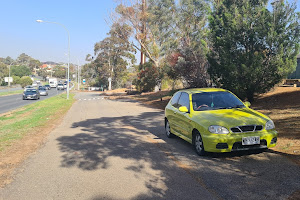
(168, 129)
(198, 144)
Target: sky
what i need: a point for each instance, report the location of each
(84, 19)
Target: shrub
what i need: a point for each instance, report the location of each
(25, 80)
(16, 80)
(147, 77)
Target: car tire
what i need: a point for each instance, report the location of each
(168, 130)
(198, 144)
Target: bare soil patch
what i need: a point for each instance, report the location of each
(281, 104)
(14, 155)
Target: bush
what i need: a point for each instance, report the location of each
(16, 80)
(20, 71)
(147, 77)
(25, 80)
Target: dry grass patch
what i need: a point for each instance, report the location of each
(282, 105)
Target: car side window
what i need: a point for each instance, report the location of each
(184, 100)
(175, 98)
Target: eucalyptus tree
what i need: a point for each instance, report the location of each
(24, 59)
(253, 47)
(135, 15)
(3, 72)
(20, 70)
(8, 60)
(113, 54)
(181, 31)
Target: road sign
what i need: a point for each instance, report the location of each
(8, 79)
(83, 81)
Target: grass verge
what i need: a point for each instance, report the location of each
(24, 130)
(31, 118)
(11, 93)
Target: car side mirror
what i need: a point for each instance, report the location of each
(183, 109)
(247, 104)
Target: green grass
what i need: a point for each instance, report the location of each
(11, 92)
(30, 118)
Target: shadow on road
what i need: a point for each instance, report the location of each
(255, 175)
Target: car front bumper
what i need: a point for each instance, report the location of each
(30, 97)
(233, 141)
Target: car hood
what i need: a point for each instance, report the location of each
(230, 117)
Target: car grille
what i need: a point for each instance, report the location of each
(247, 128)
(238, 146)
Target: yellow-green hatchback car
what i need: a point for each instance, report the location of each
(215, 120)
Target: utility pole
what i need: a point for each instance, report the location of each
(111, 72)
(143, 31)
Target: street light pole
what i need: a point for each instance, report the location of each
(78, 79)
(9, 73)
(68, 87)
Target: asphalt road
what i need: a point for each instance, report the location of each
(11, 102)
(117, 149)
(6, 89)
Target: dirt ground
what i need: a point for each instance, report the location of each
(281, 104)
(19, 151)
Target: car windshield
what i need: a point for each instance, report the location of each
(30, 91)
(215, 100)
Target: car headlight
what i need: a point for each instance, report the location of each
(270, 125)
(218, 129)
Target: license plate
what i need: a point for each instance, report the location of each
(251, 140)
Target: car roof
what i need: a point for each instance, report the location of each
(200, 90)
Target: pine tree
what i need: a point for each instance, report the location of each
(252, 48)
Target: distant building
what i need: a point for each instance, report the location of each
(296, 73)
(44, 66)
(47, 67)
